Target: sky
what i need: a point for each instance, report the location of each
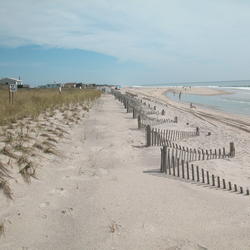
(128, 42)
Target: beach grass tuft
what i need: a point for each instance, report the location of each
(28, 171)
(2, 229)
(6, 188)
(8, 152)
(4, 172)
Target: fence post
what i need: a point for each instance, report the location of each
(139, 121)
(148, 136)
(213, 181)
(178, 167)
(182, 166)
(198, 173)
(197, 131)
(207, 154)
(224, 183)
(208, 181)
(192, 167)
(169, 162)
(232, 149)
(161, 169)
(134, 113)
(203, 175)
(203, 155)
(164, 161)
(187, 166)
(173, 165)
(218, 181)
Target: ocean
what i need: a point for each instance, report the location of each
(238, 102)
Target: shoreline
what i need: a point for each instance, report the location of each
(217, 129)
(159, 94)
(206, 91)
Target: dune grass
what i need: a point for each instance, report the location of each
(32, 102)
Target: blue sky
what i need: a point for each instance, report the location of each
(125, 42)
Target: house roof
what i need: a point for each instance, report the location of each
(9, 78)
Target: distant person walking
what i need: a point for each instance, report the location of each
(180, 95)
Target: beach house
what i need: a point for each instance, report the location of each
(5, 82)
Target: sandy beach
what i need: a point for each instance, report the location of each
(105, 191)
(158, 94)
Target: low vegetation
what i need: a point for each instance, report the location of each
(33, 126)
(32, 102)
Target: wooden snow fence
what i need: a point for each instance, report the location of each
(160, 137)
(191, 154)
(141, 111)
(174, 166)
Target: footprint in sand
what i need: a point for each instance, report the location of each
(67, 211)
(58, 191)
(44, 204)
(186, 245)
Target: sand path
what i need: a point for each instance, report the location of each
(105, 192)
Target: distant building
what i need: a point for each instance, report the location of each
(7, 81)
(90, 85)
(69, 85)
(50, 86)
(53, 85)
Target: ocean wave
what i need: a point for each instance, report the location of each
(240, 88)
(136, 86)
(236, 101)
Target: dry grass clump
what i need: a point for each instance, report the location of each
(26, 167)
(8, 137)
(21, 148)
(4, 185)
(28, 171)
(2, 231)
(33, 102)
(57, 132)
(48, 144)
(4, 172)
(114, 227)
(50, 150)
(85, 108)
(52, 139)
(38, 146)
(44, 135)
(22, 160)
(8, 152)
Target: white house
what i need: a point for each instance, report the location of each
(7, 81)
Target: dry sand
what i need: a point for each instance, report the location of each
(224, 128)
(105, 192)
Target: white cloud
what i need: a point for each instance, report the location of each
(173, 36)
